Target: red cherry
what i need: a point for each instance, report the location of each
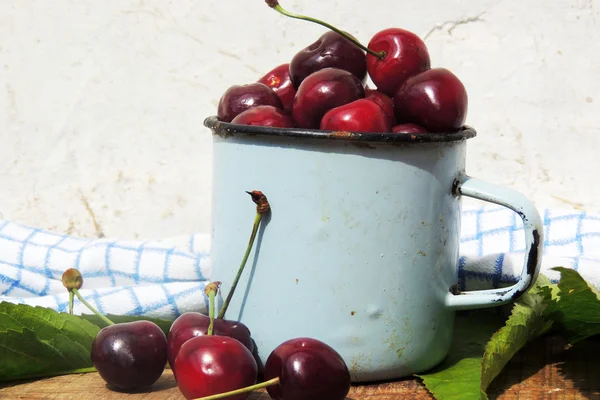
(308, 369)
(208, 365)
(321, 91)
(409, 128)
(435, 99)
(239, 98)
(194, 324)
(331, 50)
(278, 79)
(405, 55)
(384, 101)
(361, 115)
(264, 116)
(131, 355)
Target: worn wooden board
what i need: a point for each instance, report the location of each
(543, 371)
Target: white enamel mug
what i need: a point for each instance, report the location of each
(361, 246)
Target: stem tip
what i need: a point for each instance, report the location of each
(72, 279)
(262, 204)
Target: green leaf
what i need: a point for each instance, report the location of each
(459, 375)
(37, 341)
(576, 308)
(482, 346)
(163, 324)
(525, 323)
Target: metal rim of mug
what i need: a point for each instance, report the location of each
(226, 129)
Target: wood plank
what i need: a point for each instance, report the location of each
(543, 371)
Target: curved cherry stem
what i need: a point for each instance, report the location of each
(92, 309)
(274, 4)
(262, 207)
(242, 265)
(270, 382)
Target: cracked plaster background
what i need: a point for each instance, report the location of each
(102, 103)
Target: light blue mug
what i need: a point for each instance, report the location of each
(361, 247)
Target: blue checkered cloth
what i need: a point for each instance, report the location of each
(166, 278)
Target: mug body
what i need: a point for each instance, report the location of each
(359, 250)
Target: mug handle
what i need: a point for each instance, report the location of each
(534, 239)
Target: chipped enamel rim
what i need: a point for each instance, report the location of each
(226, 129)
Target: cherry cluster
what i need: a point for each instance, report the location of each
(212, 357)
(324, 87)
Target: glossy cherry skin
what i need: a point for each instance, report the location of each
(279, 80)
(194, 324)
(405, 55)
(239, 98)
(264, 116)
(320, 92)
(361, 115)
(408, 128)
(384, 101)
(208, 365)
(435, 99)
(331, 50)
(130, 356)
(307, 369)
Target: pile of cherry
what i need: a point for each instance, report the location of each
(212, 357)
(324, 87)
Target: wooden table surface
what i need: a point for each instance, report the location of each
(543, 371)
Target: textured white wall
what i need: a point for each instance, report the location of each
(102, 102)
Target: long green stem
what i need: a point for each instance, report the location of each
(71, 302)
(275, 6)
(270, 382)
(257, 220)
(92, 309)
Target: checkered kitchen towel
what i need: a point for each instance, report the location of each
(165, 278)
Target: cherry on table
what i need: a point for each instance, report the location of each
(195, 324)
(239, 98)
(213, 364)
(307, 369)
(331, 50)
(435, 99)
(321, 91)
(362, 115)
(279, 80)
(130, 356)
(405, 55)
(264, 116)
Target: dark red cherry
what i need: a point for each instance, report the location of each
(239, 98)
(321, 91)
(193, 324)
(408, 128)
(361, 115)
(278, 79)
(307, 369)
(208, 365)
(384, 101)
(405, 55)
(331, 50)
(130, 356)
(264, 116)
(435, 99)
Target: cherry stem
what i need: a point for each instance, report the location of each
(71, 297)
(211, 312)
(270, 382)
(211, 290)
(274, 4)
(257, 220)
(92, 309)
